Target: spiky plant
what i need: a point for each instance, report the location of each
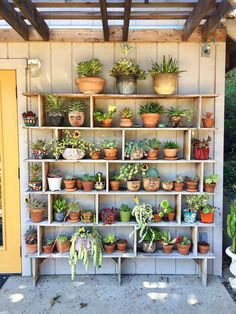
(77, 106)
(54, 104)
(35, 173)
(151, 107)
(89, 68)
(31, 236)
(168, 65)
(126, 113)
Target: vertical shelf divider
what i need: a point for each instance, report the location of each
(97, 207)
(39, 238)
(45, 170)
(50, 209)
(107, 176)
(123, 144)
(195, 239)
(41, 111)
(187, 144)
(91, 102)
(178, 208)
(199, 111)
(201, 175)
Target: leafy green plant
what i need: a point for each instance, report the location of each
(170, 145)
(151, 143)
(151, 107)
(115, 177)
(152, 235)
(208, 209)
(168, 65)
(166, 238)
(131, 172)
(158, 211)
(132, 147)
(109, 238)
(109, 143)
(177, 112)
(151, 173)
(231, 225)
(88, 178)
(55, 105)
(77, 106)
(73, 207)
(48, 242)
(69, 178)
(211, 179)
(124, 208)
(35, 173)
(183, 240)
(166, 207)
(100, 116)
(126, 113)
(89, 68)
(34, 203)
(63, 238)
(31, 236)
(59, 205)
(197, 202)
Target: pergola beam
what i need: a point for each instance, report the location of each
(127, 12)
(103, 8)
(199, 12)
(31, 13)
(13, 19)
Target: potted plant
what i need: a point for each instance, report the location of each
(110, 148)
(201, 148)
(150, 240)
(115, 182)
(76, 113)
(85, 243)
(131, 174)
(126, 118)
(29, 118)
(87, 216)
(125, 213)
(79, 183)
(88, 182)
(108, 215)
(55, 107)
(63, 243)
(151, 180)
(36, 209)
(70, 184)
(121, 245)
(150, 114)
(134, 150)
(31, 241)
(170, 150)
(105, 118)
(72, 146)
(73, 210)
(99, 182)
(203, 247)
(94, 151)
(165, 75)
(59, 209)
(127, 72)
(158, 214)
(208, 120)
(39, 149)
(179, 183)
(192, 184)
(231, 250)
(167, 242)
(207, 213)
(210, 183)
(167, 185)
(35, 183)
(183, 245)
(87, 81)
(176, 116)
(168, 210)
(195, 204)
(109, 243)
(152, 146)
(54, 180)
(48, 246)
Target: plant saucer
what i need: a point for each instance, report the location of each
(121, 251)
(189, 190)
(70, 190)
(77, 220)
(151, 158)
(171, 158)
(110, 158)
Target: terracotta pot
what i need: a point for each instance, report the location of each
(109, 248)
(209, 187)
(48, 249)
(69, 184)
(37, 214)
(176, 121)
(121, 245)
(152, 154)
(63, 247)
(151, 184)
(192, 186)
(134, 185)
(183, 249)
(171, 216)
(90, 85)
(165, 83)
(207, 218)
(106, 123)
(79, 184)
(110, 152)
(76, 118)
(148, 249)
(96, 155)
(126, 123)
(203, 247)
(74, 216)
(35, 186)
(157, 218)
(87, 217)
(201, 153)
(170, 153)
(31, 248)
(150, 120)
(167, 249)
(167, 186)
(178, 186)
(137, 154)
(208, 122)
(88, 185)
(115, 185)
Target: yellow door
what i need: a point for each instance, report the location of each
(10, 257)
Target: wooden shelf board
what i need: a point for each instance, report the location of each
(175, 255)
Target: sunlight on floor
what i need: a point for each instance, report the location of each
(192, 299)
(22, 287)
(78, 284)
(17, 297)
(157, 296)
(152, 285)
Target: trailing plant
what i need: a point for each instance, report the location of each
(59, 205)
(168, 65)
(109, 143)
(31, 236)
(73, 207)
(211, 179)
(77, 106)
(126, 113)
(182, 240)
(55, 105)
(179, 178)
(151, 107)
(35, 173)
(89, 68)
(132, 172)
(151, 143)
(109, 238)
(34, 203)
(197, 202)
(166, 238)
(151, 173)
(170, 145)
(101, 116)
(231, 225)
(204, 143)
(132, 147)
(108, 215)
(152, 235)
(39, 145)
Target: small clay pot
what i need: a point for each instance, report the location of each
(167, 249)
(115, 185)
(134, 185)
(176, 121)
(79, 184)
(74, 216)
(88, 186)
(152, 154)
(209, 187)
(76, 118)
(183, 249)
(69, 184)
(121, 245)
(109, 248)
(171, 216)
(157, 218)
(106, 123)
(192, 186)
(178, 186)
(63, 247)
(207, 218)
(110, 153)
(31, 248)
(150, 120)
(96, 155)
(167, 186)
(208, 122)
(37, 214)
(126, 123)
(203, 247)
(48, 249)
(170, 152)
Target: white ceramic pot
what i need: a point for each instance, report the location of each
(73, 154)
(54, 184)
(232, 267)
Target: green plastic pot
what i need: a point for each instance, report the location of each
(125, 216)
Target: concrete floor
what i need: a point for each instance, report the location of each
(100, 294)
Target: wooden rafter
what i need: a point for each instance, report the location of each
(213, 20)
(127, 12)
(31, 13)
(13, 19)
(199, 12)
(103, 8)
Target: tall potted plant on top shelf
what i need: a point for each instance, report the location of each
(76, 113)
(87, 81)
(165, 75)
(56, 107)
(127, 72)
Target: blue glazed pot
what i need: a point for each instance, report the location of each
(59, 217)
(190, 217)
(126, 85)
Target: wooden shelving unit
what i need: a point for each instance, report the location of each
(185, 160)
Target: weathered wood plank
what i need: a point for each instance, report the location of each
(127, 12)
(103, 9)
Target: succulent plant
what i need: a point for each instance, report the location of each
(35, 173)
(34, 203)
(211, 179)
(77, 106)
(168, 65)
(108, 215)
(166, 238)
(170, 145)
(109, 238)
(151, 173)
(151, 107)
(31, 236)
(89, 68)
(126, 113)
(54, 104)
(101, 116)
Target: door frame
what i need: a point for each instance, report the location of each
(20, 66)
